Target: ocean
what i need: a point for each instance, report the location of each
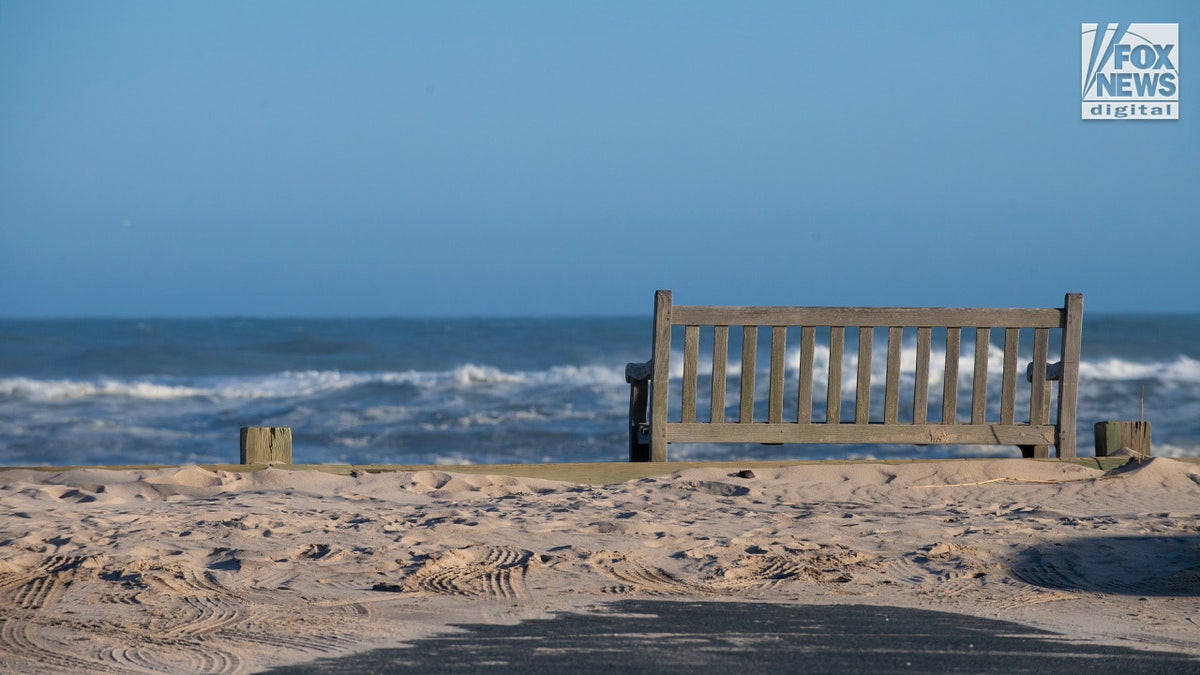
(459, 391)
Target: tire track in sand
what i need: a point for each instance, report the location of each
(29, 595)
(497, 572)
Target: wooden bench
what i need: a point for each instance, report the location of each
(658, 417)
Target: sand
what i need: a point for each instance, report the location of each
(186, 569)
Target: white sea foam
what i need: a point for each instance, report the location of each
(1180, 370)
(292, 384)
(64, 390)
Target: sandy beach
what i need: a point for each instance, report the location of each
(193, 570)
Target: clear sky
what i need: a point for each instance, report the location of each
(504, 157)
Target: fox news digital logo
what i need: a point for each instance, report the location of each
(1131, 71)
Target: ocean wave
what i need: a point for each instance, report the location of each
(313, 383)
(1180, 370)
(64, 390)
(300, 384)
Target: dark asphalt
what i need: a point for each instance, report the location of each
(653, 636)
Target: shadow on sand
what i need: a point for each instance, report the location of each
(1136, 565)
(655, 636)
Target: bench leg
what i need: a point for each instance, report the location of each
(1035, 451)
(639, 398)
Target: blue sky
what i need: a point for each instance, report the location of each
(568, 158)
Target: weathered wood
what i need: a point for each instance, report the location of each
(662, 376)
(862, 397)
(950, 380)
(1039, 391)
(720, 359)
(1039, 388)
(691, 355)
(1008, 382)
(921, 376)
(778, 351)
(1033, 438)
(920, 434)
(266, 445)
(979, 376)
(833, 392)
(1072, 338)
(1114, 436)
(868, 316)
(749, 363)
(808, 339)
(891, 386)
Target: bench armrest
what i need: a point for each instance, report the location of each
(638, 375)
(639, 372)
(1054, 371)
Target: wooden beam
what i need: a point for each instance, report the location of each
(868, 316)
(915, 434)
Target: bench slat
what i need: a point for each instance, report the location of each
(1008, 387)
(868, 316)
(833, 397)
(720, 357)
(691, 355)
(983, 338)
(1037, 394)
(921, 376)
(862, 398)
(749, 354)
(950, 382)
(918, 434)
(891, 393)
(808, 339)
(778, 351)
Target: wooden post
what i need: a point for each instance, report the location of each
(662, 376)
(1112, 437)
(266, 445)
(1068, 384)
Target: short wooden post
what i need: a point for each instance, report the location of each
(1112, 437)
(266, 445)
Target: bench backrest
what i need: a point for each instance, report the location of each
(798, 425)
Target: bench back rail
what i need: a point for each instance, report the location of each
(651, 430)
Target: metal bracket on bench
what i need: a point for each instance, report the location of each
(1054, 372)
(643, 433)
